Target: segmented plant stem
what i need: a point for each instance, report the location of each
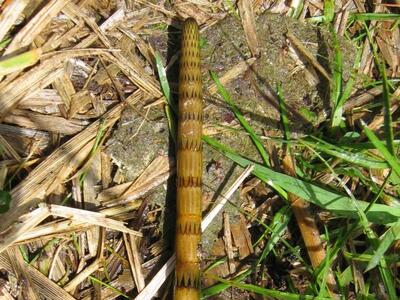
(189, 166)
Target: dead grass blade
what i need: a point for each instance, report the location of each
(108, 24)
(44, 286)
(93, 267)
(42, 98)
(22, 140)
(134, 261)
(27, 34)
(59, 165)
(363, 98)
(156, 173)
(90, 217)
(52, 229)
(24, 224)
(249, 26)
(12, 91)
(45, 122)
(22, 274)
(11, 11)
(38, 77)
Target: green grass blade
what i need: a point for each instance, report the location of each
(19, 62)
(329, 11)
(23, 249)
(336, 203)
(268, 292)
(296, 9)
(391, 160)
(386, 94)
(388, 280)
(115, 290)
(359, 159)
(337, 76)
(391, 235)
(344, 95)
(278, 227)
(283, 111)
(350, 83)
(227, 98)
(220, 287)
(171, 110)
(5, 201)
(387, 111)
(4, 43)
(364, 145)
(373, 17)
(163, 78)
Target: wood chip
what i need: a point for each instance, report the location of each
(63, 85)
(228, 244)
(241, 238)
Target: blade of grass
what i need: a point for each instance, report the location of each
(329, 11)
(221, 286)
(391, 235)
(5, 200)
(117, 291)
(19, 62)
(359, 209)
(163, 79)
(296, 8)
(386, 94)
(337, 75)
(327, 281)
(385, 152)
(373, 17)
(266, 292)
(171, 111)
(254, 137)
(372, 238)
(227, 98)
(364, 145)
(359, 159)
(283, 113)
(366, 257)
(345, 94)
(4, 43)
(277, 229)
(331, 201)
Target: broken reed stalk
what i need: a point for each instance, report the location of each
(308, 228)
(189, 166)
